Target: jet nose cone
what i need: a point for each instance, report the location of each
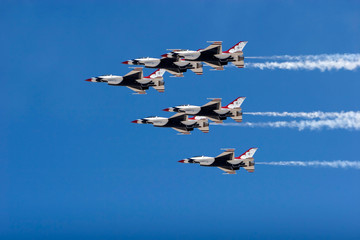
(135, 121)
(164, 55)
(166, 109)
(88, 80)
(126, 62)
(182, 161)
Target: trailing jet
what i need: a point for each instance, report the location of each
(226, 161)
(134, 80)
(179, 122)
(213, 110)
(213, 55)
(174, 65)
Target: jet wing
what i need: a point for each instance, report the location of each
(225, 156)
(136, 73)
(228, 171)
(137, 90)
(181, 130)
(179, 117)
(175, 73)
(214, 48)
(215, 65)
(213, 104)
(217, 120)
(221, 161)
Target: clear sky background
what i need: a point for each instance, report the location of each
(73, 166)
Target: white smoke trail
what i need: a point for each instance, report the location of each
(349, 123)
(319, 120)
(353, 57)
(333, 164)
(309, 115)
(323, 62)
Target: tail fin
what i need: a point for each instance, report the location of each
(248, 154)
(237, 47)
(236, 103)
(248, 160)
(157, 74)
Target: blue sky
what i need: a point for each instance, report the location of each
(72, 164)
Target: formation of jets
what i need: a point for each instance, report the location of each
(176, 63)
(188, 117)
(182, 123)
(212, 55)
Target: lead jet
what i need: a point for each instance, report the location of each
(179, 122)
(173, 65)
(226, 161)
(213, 55)
(134, 80)
(213, 110)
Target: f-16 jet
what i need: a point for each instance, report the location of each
(174, 65)
(213, 110)
(134, 80)
(226, 161)
(179, 122)
(212, 55)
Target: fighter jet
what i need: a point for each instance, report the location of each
(179, 122)
(226, 161)
(173, 65)
(213, 110)
(134, 80)
(213, 55)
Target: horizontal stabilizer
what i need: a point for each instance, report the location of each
(159, 85)
(204, 125)
(183, 131)
(215, 65)
(174, 73)
(137, 90)
(227, 171)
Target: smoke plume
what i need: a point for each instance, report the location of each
(331, 120)
(332, 164)
(308, 115)
(322, 62)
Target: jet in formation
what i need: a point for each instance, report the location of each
(135, 80)
(179, 122)
(212, 110)
(226, 161)
(212, 55)
(173, 65)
